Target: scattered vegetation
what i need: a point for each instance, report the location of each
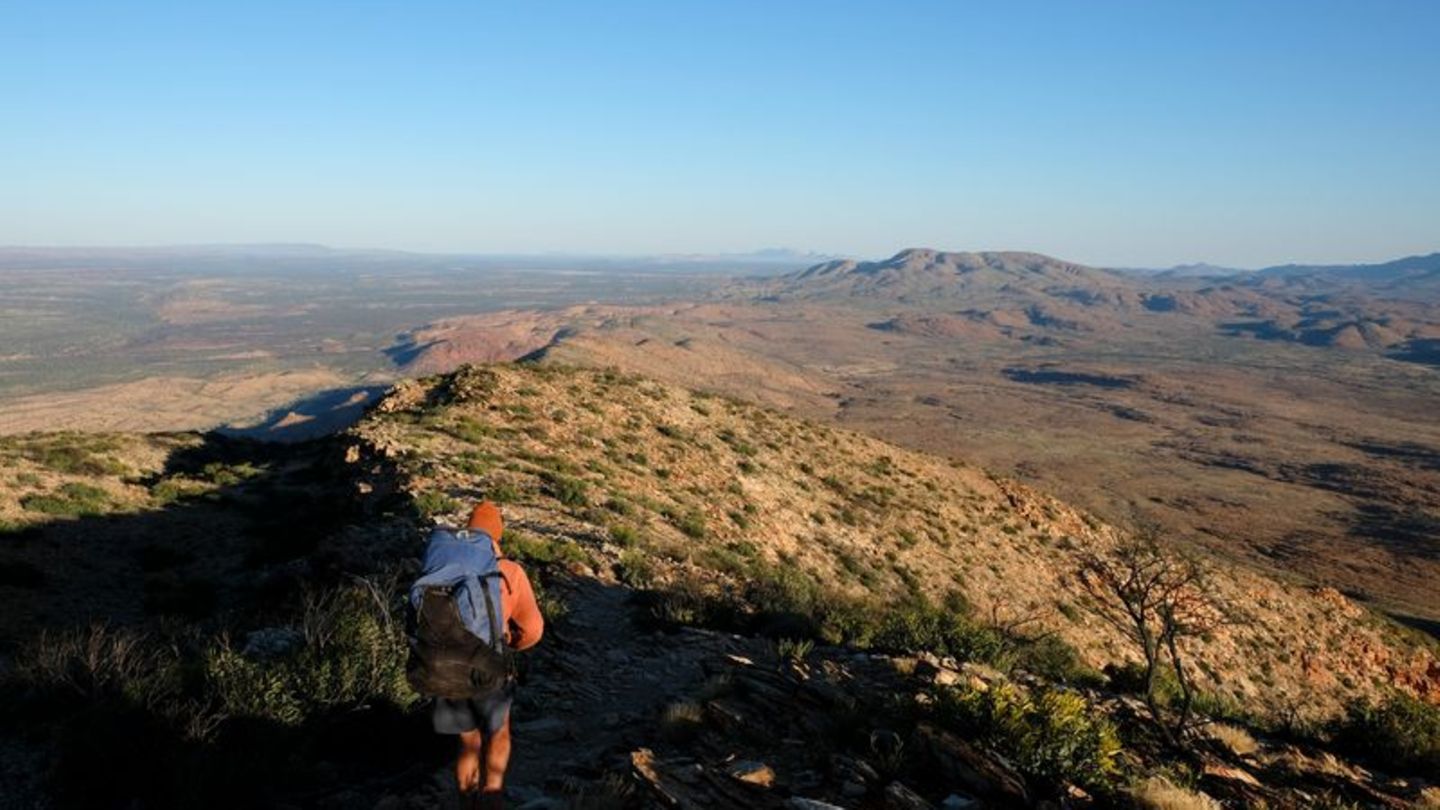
(566, 489)
(433, 503)
(72, 453)
(72, 499)
(169, 717)
(1052, 735)
(348, 652)
(530, 548)
(1401, 731)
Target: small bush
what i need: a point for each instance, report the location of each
(503, 492)
(70, 500)
(627, 536)
(635, 570)
(76, 459)
(537, 550)
(469, 430)
(432, 504)
(353, 654)
(169, 490)
(1054, 659)
(566, 489)
(1052, 735)
(620, 506)
(228, 475)
(691, 522)
(1402, 731)
(553, 606)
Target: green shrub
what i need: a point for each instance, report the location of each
(691, 522)
(566, 489)
(620, 506)
(1052, 658)
(169, 490)
(70, 500)
(530, 548)
(503, 492)
(916, 625)
(228, 475)
(1401, 730)
(469, 430)
(473, 463)
(353, 653)
(8, 526)
(432, 503)
(1051, 735)
(76, 455)
(552, 606)
(636, 570)
(626, 536)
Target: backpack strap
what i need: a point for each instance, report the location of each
(493, 613)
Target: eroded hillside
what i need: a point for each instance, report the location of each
(714, 493)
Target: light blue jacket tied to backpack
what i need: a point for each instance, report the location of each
(465, 563)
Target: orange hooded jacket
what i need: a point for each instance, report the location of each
(523, 623)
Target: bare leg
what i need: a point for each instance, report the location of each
(497, 758)
(467, 766)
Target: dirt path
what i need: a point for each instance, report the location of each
(593, 688)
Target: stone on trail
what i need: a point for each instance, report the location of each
(751, 773)
(798, 803)
(899, 797)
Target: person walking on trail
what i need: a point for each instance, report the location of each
(471, 610)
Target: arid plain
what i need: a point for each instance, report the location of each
(1285, 418)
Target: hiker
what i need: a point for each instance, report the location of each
(472, 609)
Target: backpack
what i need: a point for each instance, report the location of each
(457, 627)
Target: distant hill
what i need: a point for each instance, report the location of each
(1415, 278)
(1407, 269)
(923, 274)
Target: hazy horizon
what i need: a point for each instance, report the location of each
(1110, 134)
(776, 253)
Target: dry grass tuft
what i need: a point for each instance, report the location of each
(1234, 738)
(1159, 793)
(682, 721)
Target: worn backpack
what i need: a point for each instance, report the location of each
(457, 627)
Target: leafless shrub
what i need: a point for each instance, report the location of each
(1156, 598)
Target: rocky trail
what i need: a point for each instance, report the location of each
(613, 712)
(594, 689)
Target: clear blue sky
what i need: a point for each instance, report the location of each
(1142, 133)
